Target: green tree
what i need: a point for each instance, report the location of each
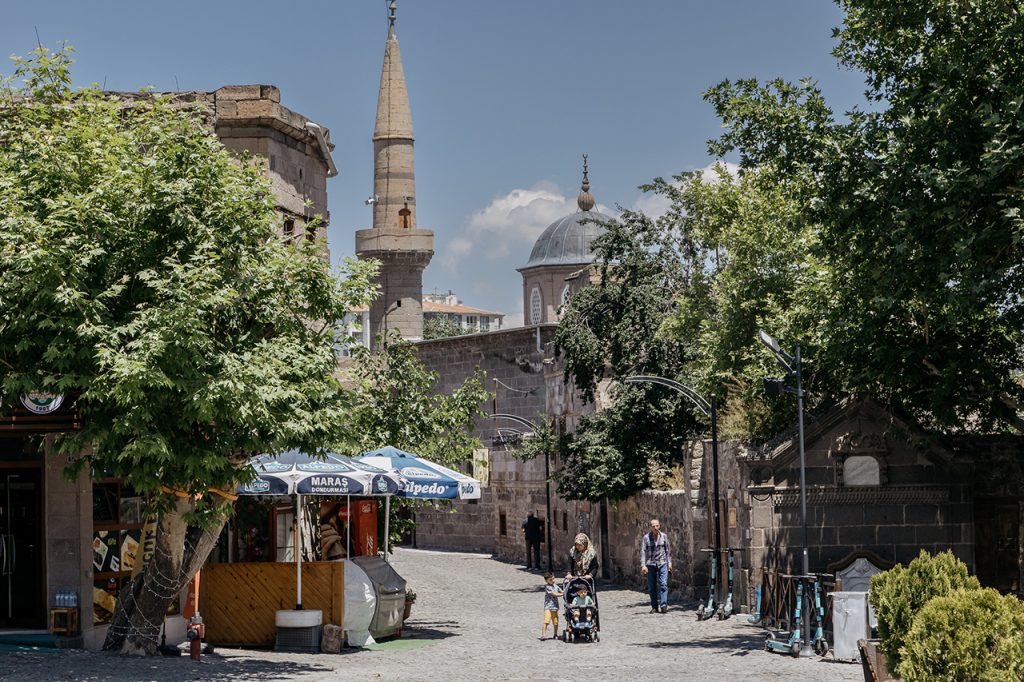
(915, 201)
(394, 402)
(609, 331)
(141, 275)
(442, 327)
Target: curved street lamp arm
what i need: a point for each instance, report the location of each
(694, 397)
(516, 418)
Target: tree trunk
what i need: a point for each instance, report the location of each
(180, 551)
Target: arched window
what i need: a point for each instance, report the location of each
(861, 470)
(536, 306)
(566, 295)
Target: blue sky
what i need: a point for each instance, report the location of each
(506, 96)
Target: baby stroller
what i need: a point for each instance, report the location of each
(589, 626)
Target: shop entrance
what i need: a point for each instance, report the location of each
(22, 601)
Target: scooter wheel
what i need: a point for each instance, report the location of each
(821, 646)
(700, 614)
(795, 649)
(768, 639)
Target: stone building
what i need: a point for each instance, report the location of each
(449, 307)
(403, 249)
(879, 483)
(58, 536)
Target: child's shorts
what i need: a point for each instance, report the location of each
(550, 617)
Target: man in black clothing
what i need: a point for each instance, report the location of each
(531, 532)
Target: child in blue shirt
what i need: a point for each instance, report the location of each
(551, 595)
(581, 599)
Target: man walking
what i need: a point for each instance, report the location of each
(656, 564)
(531, 532)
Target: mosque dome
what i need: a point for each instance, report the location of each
(567, 241)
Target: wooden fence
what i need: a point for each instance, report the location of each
(778, 599)
(238, 601)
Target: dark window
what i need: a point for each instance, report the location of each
(289, 227)
(310, 233)
(565, 521)
(502, 527)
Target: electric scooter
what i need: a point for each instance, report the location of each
(725, 610)
(705, 611)
(794, 643)
(820, 643)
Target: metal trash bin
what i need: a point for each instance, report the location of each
(299, 631)
(389, 588)
(849, 623)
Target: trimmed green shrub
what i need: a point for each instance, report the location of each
(966, 635)
(899, 593)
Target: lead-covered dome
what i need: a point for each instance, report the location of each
(567, 241)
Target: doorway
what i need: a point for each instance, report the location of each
(22, 599)
(997, 543)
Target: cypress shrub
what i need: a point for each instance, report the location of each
(899, 593)
(966, 635)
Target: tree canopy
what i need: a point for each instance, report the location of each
(393, 401)
(888, 242)
(142, 276)
(914, 202)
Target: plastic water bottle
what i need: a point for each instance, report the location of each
(73, 595)
(60, 599)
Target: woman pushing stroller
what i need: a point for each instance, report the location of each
(582, 620)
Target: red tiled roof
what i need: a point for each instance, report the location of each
(431, 307)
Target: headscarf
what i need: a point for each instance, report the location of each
(581, 560)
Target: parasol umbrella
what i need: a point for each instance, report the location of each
(424, 480)
(299, 473)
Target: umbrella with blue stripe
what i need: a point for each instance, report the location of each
(425, 480)
(295, 472)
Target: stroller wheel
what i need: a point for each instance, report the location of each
(597, 637)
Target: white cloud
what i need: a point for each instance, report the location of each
(657, 205)
(511, 221)
(652, 205)
(516, 319)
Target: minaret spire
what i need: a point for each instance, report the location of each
(394, 179)
(402, 248)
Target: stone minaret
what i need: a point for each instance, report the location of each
(403, 249)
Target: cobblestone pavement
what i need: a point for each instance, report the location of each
(478, 619)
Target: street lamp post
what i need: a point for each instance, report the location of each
(792, 365)
(710, 409)
(547, 480)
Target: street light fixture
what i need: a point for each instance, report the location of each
(547, 478)
(710, 409)
(772, 386)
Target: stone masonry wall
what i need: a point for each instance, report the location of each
(514, 357)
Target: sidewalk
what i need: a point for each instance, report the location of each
(478, 619)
